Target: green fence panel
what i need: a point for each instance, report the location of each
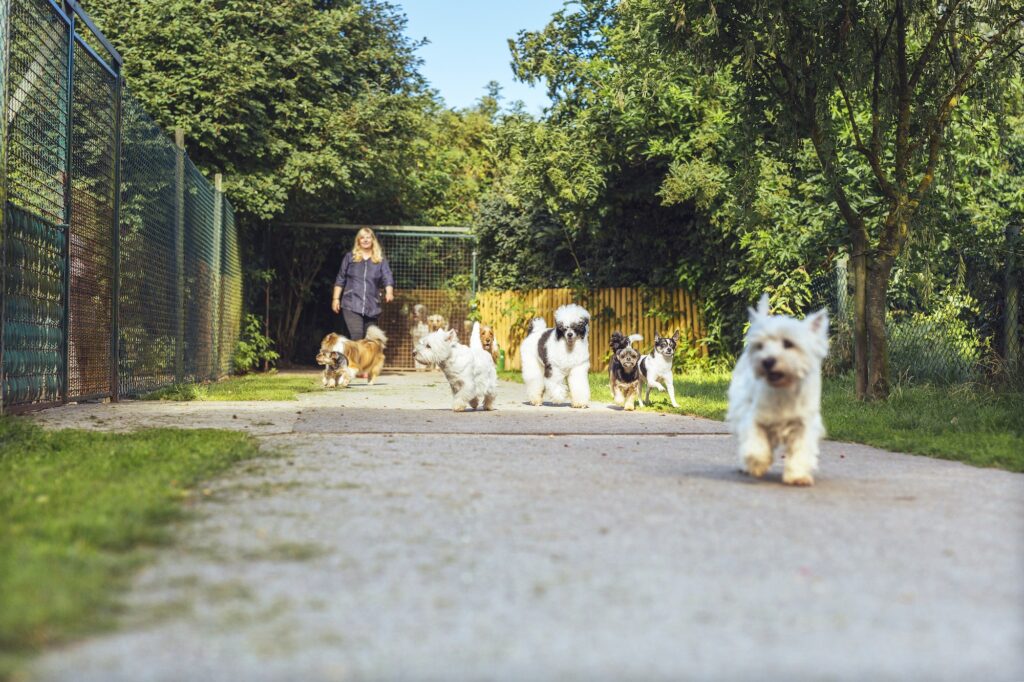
(148, 280)
(35, 237)
(231, 292)
(200, 291)
(93, 150)
(34, 319)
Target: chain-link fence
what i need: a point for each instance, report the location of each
(950, 336)
(121, 268)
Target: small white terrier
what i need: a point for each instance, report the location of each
(775, 393)
(470, 371)
(553, 356)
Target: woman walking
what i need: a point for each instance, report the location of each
(363, 273)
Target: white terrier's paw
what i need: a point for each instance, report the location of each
(804, 480)
(756, 466)
(459, 407)
(580, 405)
(656, 384)
(537, 401)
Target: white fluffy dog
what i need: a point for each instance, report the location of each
(552, 355)
(775, 393)
(470, 371)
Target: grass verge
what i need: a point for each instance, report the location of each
(78, 511)
(268, 386)
(964, 423)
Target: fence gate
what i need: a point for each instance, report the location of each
(434, 267)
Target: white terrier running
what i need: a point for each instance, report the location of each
(775, 393)
(470, 371)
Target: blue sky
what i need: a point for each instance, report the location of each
(468, 45)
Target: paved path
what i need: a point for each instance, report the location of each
(396, 540)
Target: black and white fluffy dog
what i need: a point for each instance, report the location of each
(657, 367)
(623, 370)
(553, 355)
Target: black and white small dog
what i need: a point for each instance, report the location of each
(657, 367)
(623, 372)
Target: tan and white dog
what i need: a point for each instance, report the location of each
(418, 328)
(362, 357)
(436, 322)
(489, 342)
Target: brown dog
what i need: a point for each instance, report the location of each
(490, 343)
(363, 357)
(435, 322)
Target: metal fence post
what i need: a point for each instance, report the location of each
(179, 254)
(115, 243)
(217, 307)
(472, 276)
(67, 208)
(5, 56)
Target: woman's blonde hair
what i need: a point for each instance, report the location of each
(376, 253)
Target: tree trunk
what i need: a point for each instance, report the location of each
(860, 329)
(1011, 292)
(875, 309)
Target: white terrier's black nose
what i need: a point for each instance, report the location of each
(768, 363)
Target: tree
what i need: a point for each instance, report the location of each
(293, 100)
(875, 83)
(645, 165)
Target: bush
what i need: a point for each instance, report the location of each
(253, 348)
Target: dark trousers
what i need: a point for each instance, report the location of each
(356, 324)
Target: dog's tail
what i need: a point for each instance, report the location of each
(633, 338)
(375, 333)
(474, 337)
(538, 325)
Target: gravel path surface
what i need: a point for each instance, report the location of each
(396, 540)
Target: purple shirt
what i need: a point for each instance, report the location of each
(362, 283)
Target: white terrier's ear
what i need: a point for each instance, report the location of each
(762, 308)
(818, 323)
(453, 336)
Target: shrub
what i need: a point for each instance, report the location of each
(254, 347)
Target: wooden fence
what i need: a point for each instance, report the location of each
(628, 310)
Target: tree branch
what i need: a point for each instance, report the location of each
(873, 159)
(938, 122)
(902, 91)
(933, 41)
(827, 158)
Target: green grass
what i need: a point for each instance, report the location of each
(78, 511)
(269, 386)
(964, 423)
